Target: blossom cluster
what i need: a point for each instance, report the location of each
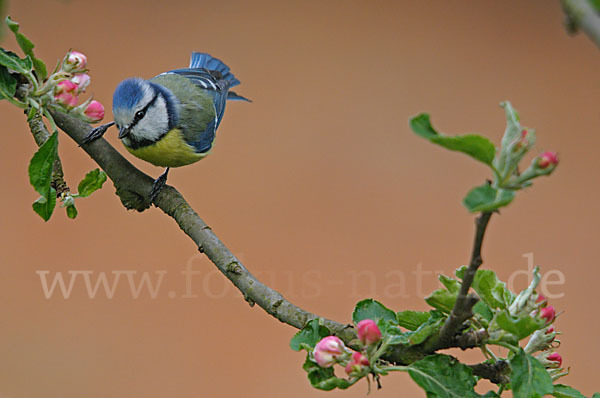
(331, 350)
(68, 82)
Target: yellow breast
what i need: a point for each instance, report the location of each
(169, 151)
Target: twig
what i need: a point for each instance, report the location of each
(497, 372)
(400, 354)
(582, 15)
(463, 306)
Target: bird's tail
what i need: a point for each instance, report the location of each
(205, 61)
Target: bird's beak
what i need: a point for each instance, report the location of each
(123, 132)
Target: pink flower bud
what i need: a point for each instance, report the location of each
(368, 332)
(328, 350)
(541, 299)
(94, 112)
(547, 159)
(81, 80)
(357, 363)
(65, 93)
(548, 313)
(540, 340)
(65, 86)
(523, 143)
(67, 99)
(550, 360)
(550, 334)
(555, 357)
(76, 60)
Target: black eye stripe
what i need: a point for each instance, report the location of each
(139, 115)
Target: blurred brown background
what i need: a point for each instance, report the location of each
(317, 180)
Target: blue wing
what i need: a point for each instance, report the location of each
(215, 77)
(210, 63)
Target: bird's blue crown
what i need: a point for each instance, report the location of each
(128, 93)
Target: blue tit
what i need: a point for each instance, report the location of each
(171, 120)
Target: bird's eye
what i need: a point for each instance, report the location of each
(140, 114)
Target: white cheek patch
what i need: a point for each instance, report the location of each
(155, 123)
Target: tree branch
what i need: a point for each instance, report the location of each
(582, 15)
(133, 187)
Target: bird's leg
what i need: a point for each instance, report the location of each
(158, 184)
(96, 133)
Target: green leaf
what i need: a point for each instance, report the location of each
(27, 46)
(476, 146)
(40, 176)
(391, 331)
(374, 310)
(451, 284)
(529, 378)
(562, 391)
(486, 198)
(12, 25)
(482, 309)
(502, 293)
(411, 320)
(400, 339)
(71, 211)
(309, 336)
(388, 326)
(323, 378)
(13, 62)
(596, 395)
(489, 288)
(442, 300)
(521, 327)
(430, 327)
(2, 13)
(91, 183)
(443, 376)
(40, 166)
(8, 84)
(40, 68)
(421, 125)
(490, 394)
(44, 205)
(23, 42)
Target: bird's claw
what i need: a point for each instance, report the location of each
(158, 184)
(96, 133)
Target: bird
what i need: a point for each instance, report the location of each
(171, 119)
